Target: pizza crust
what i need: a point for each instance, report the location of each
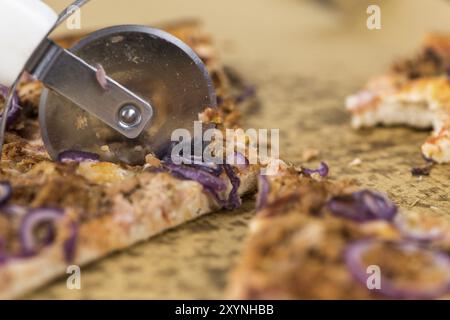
(296, 247)
(417, 95)
(113, 206)
(160, 202)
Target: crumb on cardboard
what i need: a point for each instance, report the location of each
(355, 162)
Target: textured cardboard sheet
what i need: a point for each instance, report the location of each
(304, 59)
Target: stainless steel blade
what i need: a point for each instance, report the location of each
(151, 63)
(69, 76)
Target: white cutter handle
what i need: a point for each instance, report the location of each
(36, 20)
(23, 25)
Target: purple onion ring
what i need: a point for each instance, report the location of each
(206, 179)
(70, 244)
(234, 201)
(263, 194)
(322, 170)
(77, 156)
(196, 162)
(3, 254)
(239, 160)
(13, 210)
(363, 206)
(31, 220)
(354, 261)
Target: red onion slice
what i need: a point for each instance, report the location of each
(209, 177)
(322, 170)
(238, 159)
(234, 201)
(77, 156)
(5, 192)
(196, 162)
(3, 254)
(263, 188)
(70, 244)
(33, 219)
(14, 210)
(363, 206)
(436, 262)
(422, 171)
(206, 179)
(14, 110)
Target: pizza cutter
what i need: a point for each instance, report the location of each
(153, 84)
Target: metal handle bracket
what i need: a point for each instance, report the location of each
(70, 76)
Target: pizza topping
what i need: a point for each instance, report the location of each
(322, 170)
(77, 156)
(239, 160)
(206, 179)
(3, 255)
(363, 206)
(208, 175)
(37, 228)
(429, 62)
(422, 171)
(152, 161)
(13, 210)
(263, 194)
(5, 192)
(234, 201)
(281, 205)
(195, 162)
(423, 228)
(406, 270)
(104, 172)
(70, 244)
(14, 110)
(212, 168)
(211, 115)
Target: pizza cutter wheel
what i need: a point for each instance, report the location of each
(153, 84)
(156, 67)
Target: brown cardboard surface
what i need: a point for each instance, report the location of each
(304, 58)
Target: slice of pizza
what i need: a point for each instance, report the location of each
(78, 210)
(316, 239)
(414, 92)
